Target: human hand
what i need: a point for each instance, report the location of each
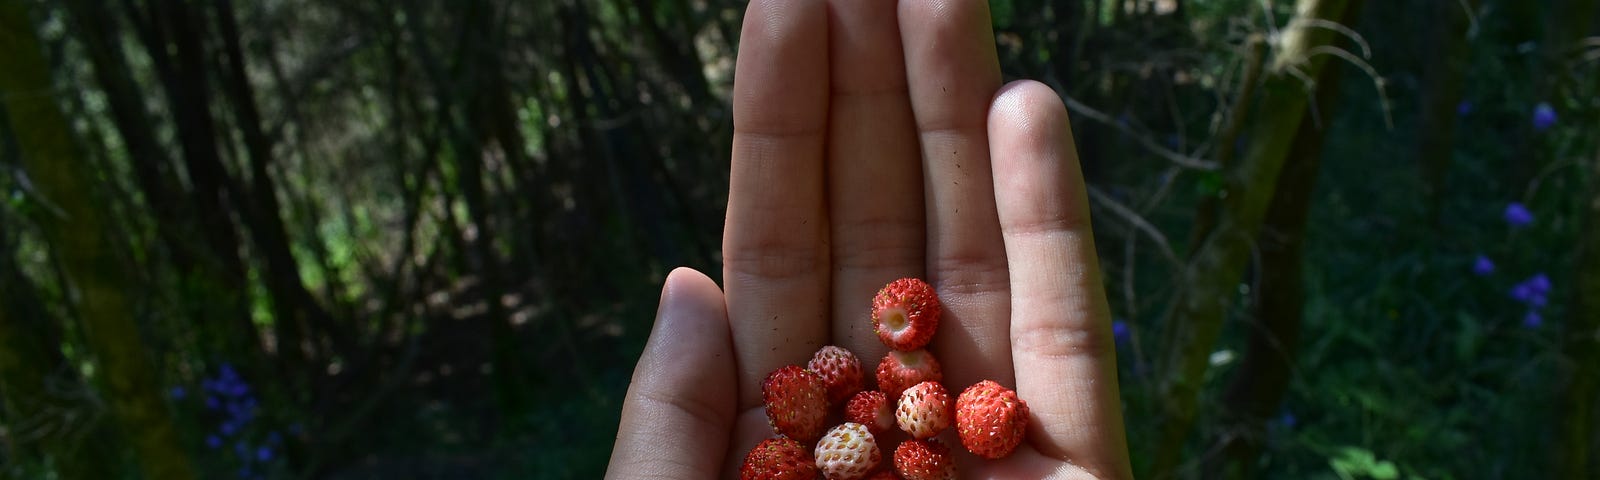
(873, 141)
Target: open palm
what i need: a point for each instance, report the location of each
(873, 141)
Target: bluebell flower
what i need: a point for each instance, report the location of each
(1544, 117)
(1287, 419)
(1532, 319)
(263, 453)
(1518, 215)
(1540, 282)
(1464, 108)
(1483, 266)
(1534, 291)
(1119, 331)
(213, 442)
(178, 392)
(1522, 292)
(228, 428)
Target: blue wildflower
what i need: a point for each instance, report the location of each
(1540, 282)
(1464, 108)
(228, 428)
(212, 403)
(1522, 293)
(178, 392)
(263, 453)
(1483, 266)
(1532, 319)
(1120, 332)
(226, 374)
(1287, 419)
(1544, 117)
(213, 442)
(1518, 215)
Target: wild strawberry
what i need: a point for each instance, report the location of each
(848, 452)
(990, 419)
(924, 410)
(840, 371)
(900, 370)
(905, 314)
(924, 460)
(778, 458)
(797, 403)
(870, 408)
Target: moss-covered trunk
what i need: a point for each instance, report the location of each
(1195, 320)
(73, 224)
(1578, 425)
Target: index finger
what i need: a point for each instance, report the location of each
(1060, 323)
(775, 251)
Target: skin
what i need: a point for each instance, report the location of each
(873, 140)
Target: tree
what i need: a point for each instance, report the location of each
(75, 224)
(1195, 321)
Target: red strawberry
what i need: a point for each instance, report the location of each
(905, 314)
(840, 371)
(870, 408)
(924, 460)
(848, 452)
(797, 403)
(778, 458)
(924, 410)
(991, 419)
(900, 370)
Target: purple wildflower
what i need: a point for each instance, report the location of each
(1119, 331)
(1464, 108)
(178, 392)
(1483, 266)
(1534, 291)
(1532, 319)
(1544, 117)
(1518, 215)
(1540, 282)
(213, 442)
(263, 453)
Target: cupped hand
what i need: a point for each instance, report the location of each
(873, 141)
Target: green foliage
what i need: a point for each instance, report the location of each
(598, 133)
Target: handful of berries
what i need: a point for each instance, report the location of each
(990, 419)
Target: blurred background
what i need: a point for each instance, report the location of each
(424, 238)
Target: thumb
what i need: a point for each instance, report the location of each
(680, 405)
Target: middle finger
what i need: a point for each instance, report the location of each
(953, 73)
(874, 172)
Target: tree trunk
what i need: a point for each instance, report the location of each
(29, 357)
(88, 254)
(1578, 424)
(1264, 372)
(282, 272)
(1441, 99)
(1214, 273)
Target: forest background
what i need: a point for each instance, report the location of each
(424, 238)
